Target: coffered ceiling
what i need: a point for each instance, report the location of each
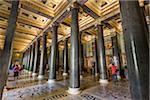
(36, 16)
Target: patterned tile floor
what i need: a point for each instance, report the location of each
(29, 89)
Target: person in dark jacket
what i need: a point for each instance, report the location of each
(16, 71)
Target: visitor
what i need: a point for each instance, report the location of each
(93, 68)
(126, 72)
(20, 69)
(114, 71)
(16, 71)
(109, 71)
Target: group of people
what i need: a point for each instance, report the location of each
(17, 69)
(115, 72)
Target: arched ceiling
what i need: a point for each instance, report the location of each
(36, 16)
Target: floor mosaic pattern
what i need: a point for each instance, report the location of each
(41, 90)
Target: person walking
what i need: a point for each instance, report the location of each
(126, 72)
(16, 71)
(114, 72)
(20, 69)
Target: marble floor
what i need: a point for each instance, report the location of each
(25, 88)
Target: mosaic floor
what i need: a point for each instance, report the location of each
(28, 89)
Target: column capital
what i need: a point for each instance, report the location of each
(98, 24)
(81, 34)
(44, 34)
(75, 5)
(30, 46)
(66, 39)
(38, 39)
(33, 44)
(69, 8)
(55, 24)
(95, 37)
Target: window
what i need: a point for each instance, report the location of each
(25, 14)
(34, 17)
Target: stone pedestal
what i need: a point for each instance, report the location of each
(74, 91)
(40, 77)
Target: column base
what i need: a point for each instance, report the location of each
(40, 77)
(104, 81)
(34, 74)
(74, 91)
(34, 78)
(96, 74)
(30, 72)
(25, 70)
(81, 77)
(65, 74)
(118, 77)
(50, 81)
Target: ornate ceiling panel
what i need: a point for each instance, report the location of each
(36, 16)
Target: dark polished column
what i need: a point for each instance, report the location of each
(101, 55)
(143, 15)
(5, 57)
(24, 60)
(32, 57)
(65, 57)
(28, 53)
(81, 59)
(74, 84)
(137, 49)
(116, 54)
(29, 57)
(96, 58)
(53, 56)
(36, 58)
(25, 63)
(57, 59)
(43, 58)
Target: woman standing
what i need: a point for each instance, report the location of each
(16, 71)
(114, 72)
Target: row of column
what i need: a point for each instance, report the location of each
(6, 54)
(136, 44)
(34, 60)
(76, 58)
